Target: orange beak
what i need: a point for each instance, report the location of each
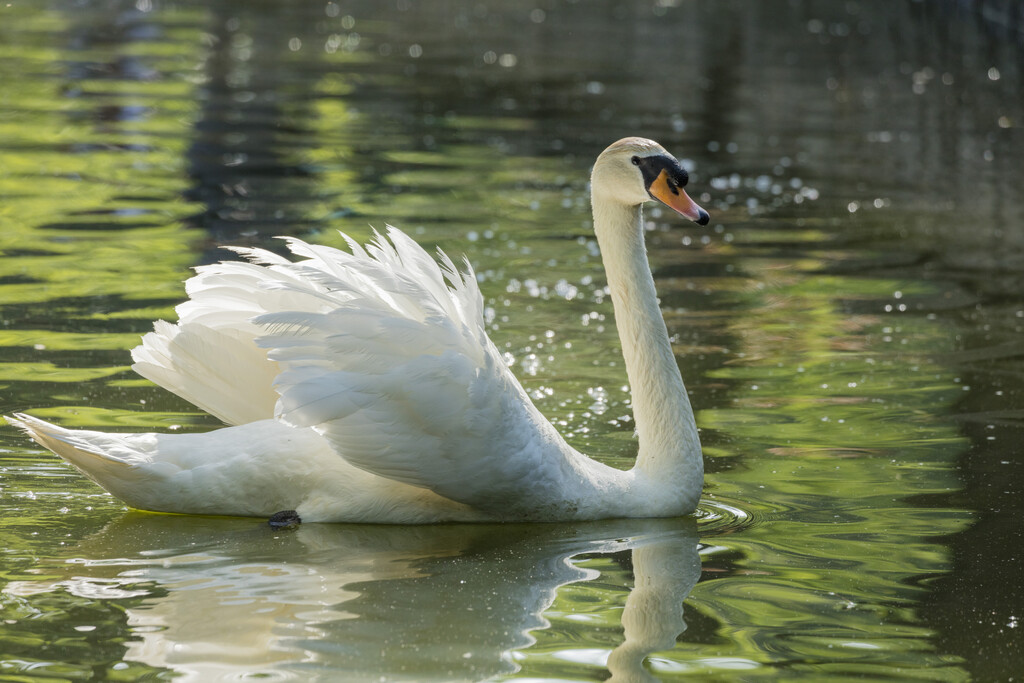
(676, 199)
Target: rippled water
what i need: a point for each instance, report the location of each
(849, 326)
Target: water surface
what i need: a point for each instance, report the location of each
(849, 327)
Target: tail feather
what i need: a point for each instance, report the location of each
(111, 460)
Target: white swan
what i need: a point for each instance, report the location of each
(363, 387)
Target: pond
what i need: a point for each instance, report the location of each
(849, 326)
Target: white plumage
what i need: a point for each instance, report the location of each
(361, 386)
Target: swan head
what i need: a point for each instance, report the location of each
(635, 170)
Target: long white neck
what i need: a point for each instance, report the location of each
(670, 451)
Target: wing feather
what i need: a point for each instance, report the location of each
(382, 349)
(404, 382)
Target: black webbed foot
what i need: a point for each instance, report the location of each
(285, 519)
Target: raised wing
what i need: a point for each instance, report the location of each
(382, 350)
(402, 379)
(209, 357)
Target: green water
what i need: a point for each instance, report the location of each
(849, 326)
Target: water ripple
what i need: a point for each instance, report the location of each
(717, 517)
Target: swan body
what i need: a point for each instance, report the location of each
(361, 386)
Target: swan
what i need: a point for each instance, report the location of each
(361, 386)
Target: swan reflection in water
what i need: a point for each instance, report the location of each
(225, 599)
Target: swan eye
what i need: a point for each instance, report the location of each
(636, 161)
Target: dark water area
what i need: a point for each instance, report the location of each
(849, 326)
